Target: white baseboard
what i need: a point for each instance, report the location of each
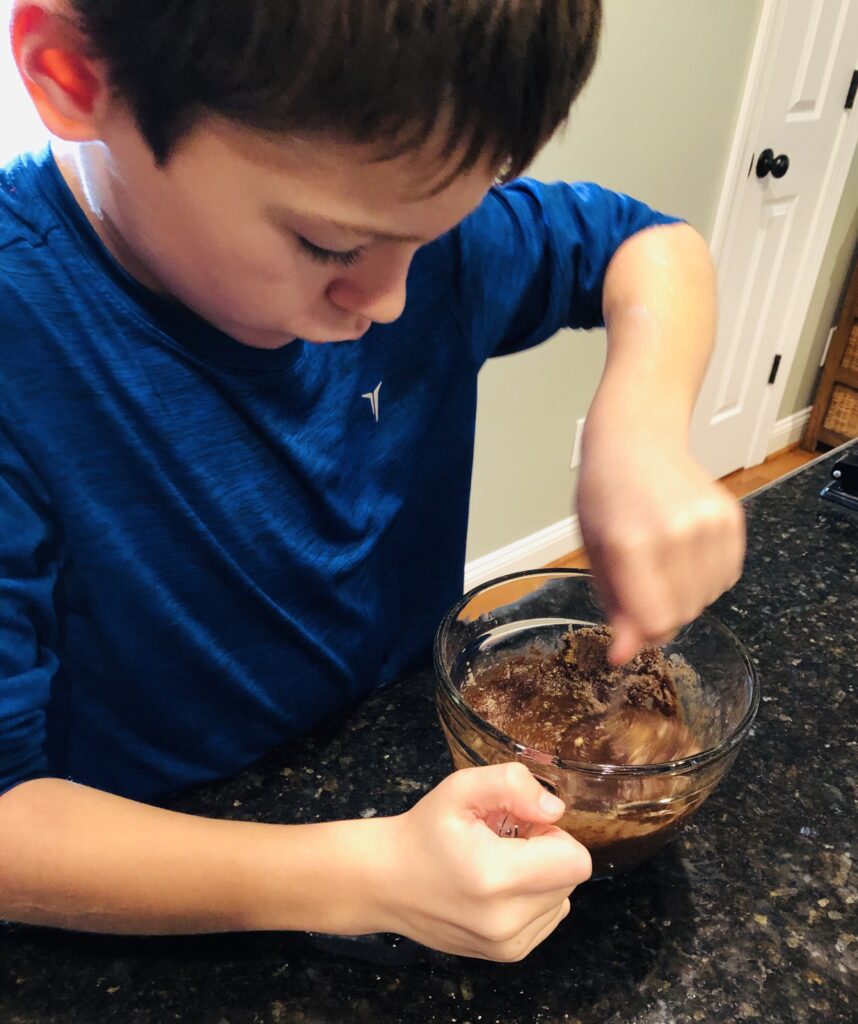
(788, 430)
(530, 552)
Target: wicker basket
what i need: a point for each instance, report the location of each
(842, 414)
(850, 356)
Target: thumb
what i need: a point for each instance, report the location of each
(501, 789)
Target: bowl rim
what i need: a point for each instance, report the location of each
(544, 759)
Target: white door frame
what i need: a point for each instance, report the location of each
(744, 142)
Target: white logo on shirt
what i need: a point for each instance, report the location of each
(373, 399)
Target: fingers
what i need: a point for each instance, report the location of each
(628, 639)
(454, 884)
(732, 559)
(638, 599)
(655, 581)
(506, 789)
(516, 946)
(548, 863)
(539, 931)
(550, 860)
(705, 556)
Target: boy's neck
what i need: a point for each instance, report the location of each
(82, 169)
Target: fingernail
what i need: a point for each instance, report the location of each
(551, 804)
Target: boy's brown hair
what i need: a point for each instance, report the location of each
(502, 72)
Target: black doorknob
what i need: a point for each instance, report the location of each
(777, 166)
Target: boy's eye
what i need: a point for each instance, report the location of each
(344, 259)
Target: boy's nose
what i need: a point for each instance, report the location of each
(378, 296)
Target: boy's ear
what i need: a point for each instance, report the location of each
(67, 86)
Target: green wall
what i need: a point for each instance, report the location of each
(656, 120)
(823, 310)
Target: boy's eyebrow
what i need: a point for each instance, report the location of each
(282, 213)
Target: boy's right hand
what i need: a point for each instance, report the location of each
(453, 884)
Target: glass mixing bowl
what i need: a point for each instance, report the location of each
(621, 813)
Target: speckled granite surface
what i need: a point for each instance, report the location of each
(751, 916)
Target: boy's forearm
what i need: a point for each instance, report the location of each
(74, 857)
(669, 541)
(659, 309)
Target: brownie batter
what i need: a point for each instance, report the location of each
(571, 703)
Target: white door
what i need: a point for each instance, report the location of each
(775, 217)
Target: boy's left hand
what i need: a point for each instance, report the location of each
(664, 540)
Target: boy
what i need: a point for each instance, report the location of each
(218, 505)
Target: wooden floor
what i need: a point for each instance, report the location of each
(740, 483)
(743, 481)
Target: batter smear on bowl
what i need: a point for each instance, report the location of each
(571, 703)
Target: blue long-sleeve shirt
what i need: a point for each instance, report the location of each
(204, 547)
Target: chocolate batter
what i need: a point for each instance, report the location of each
(571, 703)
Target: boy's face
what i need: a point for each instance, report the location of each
(272, 239)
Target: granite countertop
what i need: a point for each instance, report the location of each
(750, 916)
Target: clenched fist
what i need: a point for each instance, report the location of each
(664, 540)
(455, 885)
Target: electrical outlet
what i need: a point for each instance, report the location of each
(575, 461)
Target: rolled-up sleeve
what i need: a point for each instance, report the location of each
(533, 259)
(28, 662)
